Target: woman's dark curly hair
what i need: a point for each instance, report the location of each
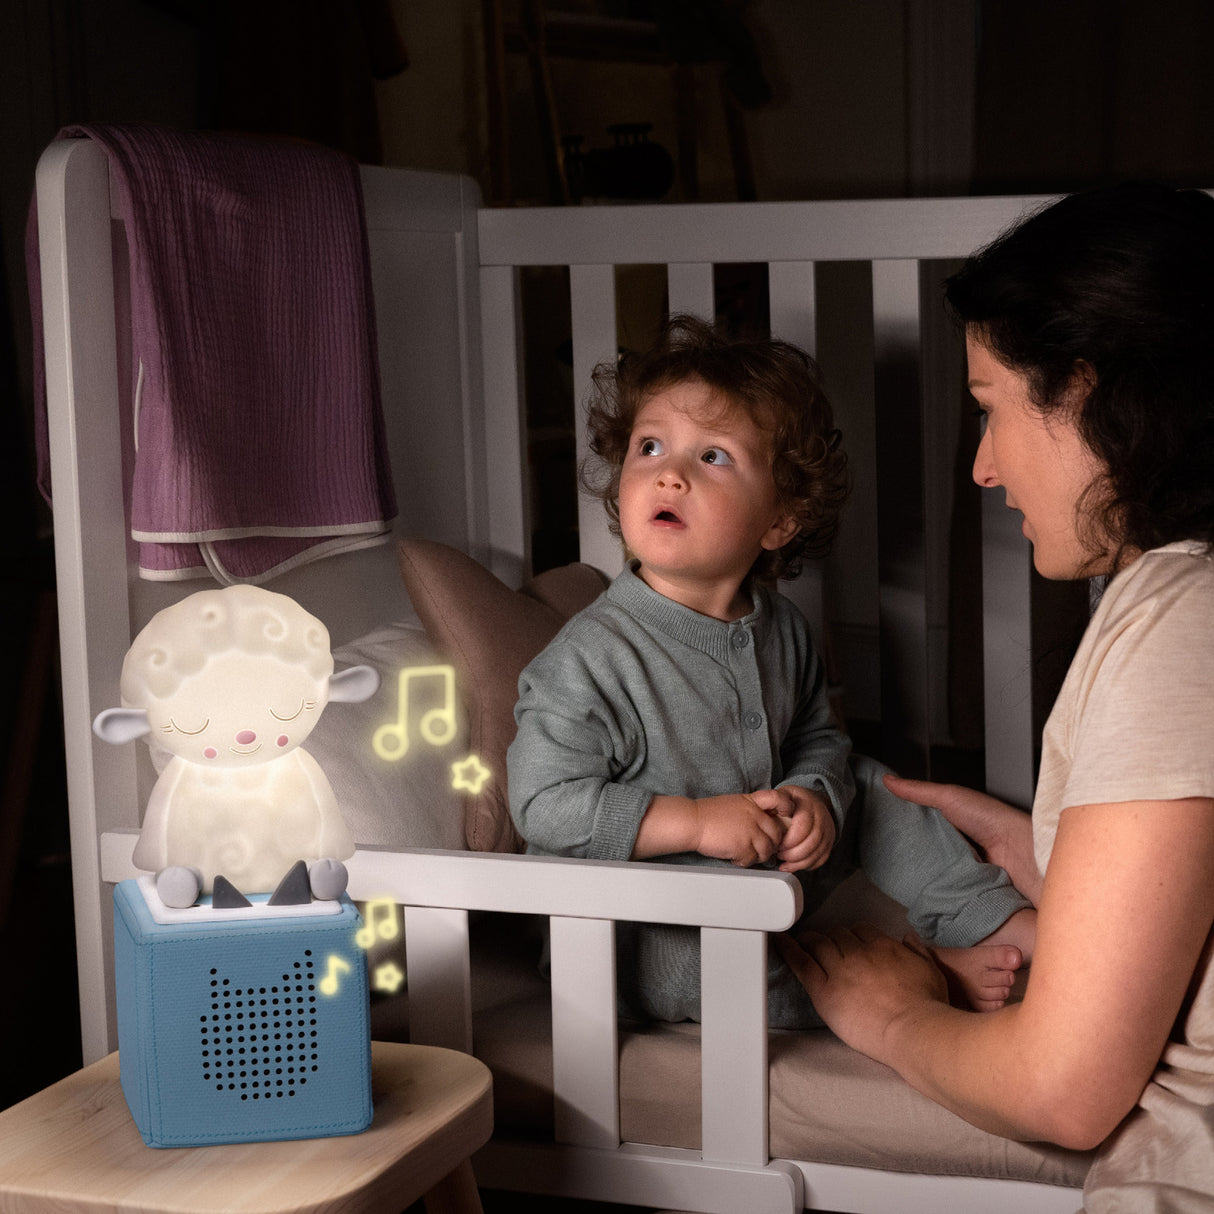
(1115, 284)
(776, 384)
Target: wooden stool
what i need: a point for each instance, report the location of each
(73, 1147)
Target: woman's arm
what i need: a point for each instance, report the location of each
(1126, 906)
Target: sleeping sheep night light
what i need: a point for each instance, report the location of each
(230, 682)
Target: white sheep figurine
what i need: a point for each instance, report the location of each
(230, 682)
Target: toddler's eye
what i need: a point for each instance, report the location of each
(172, 725)
(714, 455)
(650, 446)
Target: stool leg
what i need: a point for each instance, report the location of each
(456, 1193)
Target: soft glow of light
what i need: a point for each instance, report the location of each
(437, 726)
(388, 977)
(230, 683)
(469, 774)
(388, 927)
(330, 982)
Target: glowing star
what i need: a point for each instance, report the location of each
(388, 977)
(469, 774)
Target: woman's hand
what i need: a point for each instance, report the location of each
(863, 982)
(1002, 833)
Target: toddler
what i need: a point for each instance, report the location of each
(683, 716)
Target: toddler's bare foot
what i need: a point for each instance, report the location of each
(980, 977)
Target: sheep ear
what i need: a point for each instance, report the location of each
(353, 685)
(118, 725)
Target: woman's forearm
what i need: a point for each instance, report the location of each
(989, 1070)
(1126, 908)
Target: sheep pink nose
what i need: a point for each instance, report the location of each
(245, 737)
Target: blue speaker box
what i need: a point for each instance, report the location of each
(240, 1026)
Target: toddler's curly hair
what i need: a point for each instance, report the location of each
(773, 382)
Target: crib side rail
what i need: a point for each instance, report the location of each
(584, 899)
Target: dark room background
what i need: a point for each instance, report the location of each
(766, 99)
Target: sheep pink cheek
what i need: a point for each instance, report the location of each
(283, 739)
(210, 753)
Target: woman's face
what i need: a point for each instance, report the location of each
(1042, 463)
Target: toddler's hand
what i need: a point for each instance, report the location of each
(809, 826)
(735, 827)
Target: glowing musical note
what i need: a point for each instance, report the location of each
(328, 984)
(388, 927)
(388, 977)
(437, 726)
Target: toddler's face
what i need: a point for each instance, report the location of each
(697, 500)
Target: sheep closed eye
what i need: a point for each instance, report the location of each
(172, 725)
(291, 716)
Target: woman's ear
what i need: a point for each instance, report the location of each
(780, 532)
(1083, 380)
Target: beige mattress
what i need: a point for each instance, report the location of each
(828, 1103)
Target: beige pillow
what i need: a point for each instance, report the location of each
(489, 632)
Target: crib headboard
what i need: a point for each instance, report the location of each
(855, 282)
(859, 285)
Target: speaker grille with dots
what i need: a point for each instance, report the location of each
(261, 1042)
(245, 1029)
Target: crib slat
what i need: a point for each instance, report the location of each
(690, 289)
(792, 303)
(1006, 650)
(592, 314)
(733, 1043)
(585, 1067)
(440, 977)
(506, 465)
(901, 523)
(792, 306)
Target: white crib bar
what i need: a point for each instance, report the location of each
(593, 319)
(733, 1045)
(440, 977)
(900, 538)
(793, 309)
(690, 289)
(585, 1036)
(1006, 650)
(793, 303)
(509, 524)
(745, 232)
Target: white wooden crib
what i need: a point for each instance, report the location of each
(446, 278)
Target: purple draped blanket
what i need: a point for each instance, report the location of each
(254, 382)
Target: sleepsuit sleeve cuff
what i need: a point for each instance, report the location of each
(621, 808)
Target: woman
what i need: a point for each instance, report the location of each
(1090, 336)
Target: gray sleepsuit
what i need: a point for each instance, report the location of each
(639, 695)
